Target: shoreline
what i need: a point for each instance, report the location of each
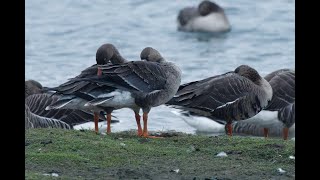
(85, 155)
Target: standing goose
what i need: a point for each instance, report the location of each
(207, 17)
(37, 99)
(282, 82)
(235, 95)
(77, 93)
(138, 84)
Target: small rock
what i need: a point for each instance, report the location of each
(120, 138)
(157, 134)
(54, 174)
(122, 144)
(281, 170)
(292, 157)
(222, 154)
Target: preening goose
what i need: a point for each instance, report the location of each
(37, 99)
(76, 93)
(282, 82)
(137, 84)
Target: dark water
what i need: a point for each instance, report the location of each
(62, 37)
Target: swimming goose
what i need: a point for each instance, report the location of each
(282, 82)
(37, 100)
(77, 93)
(137, 84)
(207, 17)
(235, 95)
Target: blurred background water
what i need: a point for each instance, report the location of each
(62, 37)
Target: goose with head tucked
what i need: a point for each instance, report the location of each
(77, 93)
(232, 96)
(33, 120)
(32, 87)
(137, 84)
(37, 99)
(207, 17)
(282, 82)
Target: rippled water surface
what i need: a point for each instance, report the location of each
(62, 37)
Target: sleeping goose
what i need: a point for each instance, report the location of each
(32, 87)
(137, 84)
(248, 127)
(235, 95)
(254, 129)
(33, 120)
(72, 98)
(37, 99)
(282, 82)
(207, 17)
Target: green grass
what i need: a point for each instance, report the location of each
(86, 155)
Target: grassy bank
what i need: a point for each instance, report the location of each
(85, 155)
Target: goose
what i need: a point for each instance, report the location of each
(37, 99)
(137, 84)
(232, 96)
(248, 127)
(282, 82)
(32, 87)
(207, 17)
(75, 94)
(33, 120)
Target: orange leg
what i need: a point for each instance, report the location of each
(229, 129)
(285, 133)
(96, 120)
(138, 124)
(266, 132)
(145, 127)
(108, 123)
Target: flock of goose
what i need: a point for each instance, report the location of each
(114, 83)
